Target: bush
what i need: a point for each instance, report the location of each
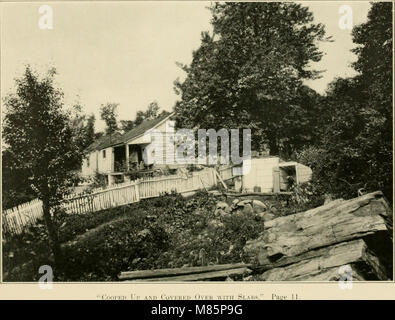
(168, 231)
(106, 251)
(23, 254)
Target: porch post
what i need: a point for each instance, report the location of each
(127, 156)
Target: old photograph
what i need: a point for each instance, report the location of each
(196, 141)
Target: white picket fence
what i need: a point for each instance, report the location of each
(15, 219)
(226, 172)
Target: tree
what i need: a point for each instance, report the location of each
(127, 125)
(90, 130)
(16, 186)
(151, 113)
(249, 72)
(83, 127)
(109, 115)
(40, 141)
(356, 123)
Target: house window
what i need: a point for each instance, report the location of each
(87, 163)
(104, 154)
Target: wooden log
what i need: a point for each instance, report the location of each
(213, 275)
(326, 262)
(157, 273)
(335, 222)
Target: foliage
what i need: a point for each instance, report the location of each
(354, 150)
(99, 181)
(102, 253)
(41, 142)
(168, 231)
(249, 74)
(108, 113)
(16, 188)
(151, 113)
(38, 136)
(83, 128)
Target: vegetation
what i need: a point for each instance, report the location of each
(354, 146)
(168, 231)
(109, 115)
(249, 73)
(41, 144)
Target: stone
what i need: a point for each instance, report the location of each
(222, 205)
(244, 203)
(258, 206)
(221, 212)
(248, 209)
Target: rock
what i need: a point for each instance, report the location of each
(248, 209)
(221, 212)
(222, 205)
(258, 206)
(244, 203)
(228, 210)
(264, 216)
(222, 209)
(286, 239)
(235, 201)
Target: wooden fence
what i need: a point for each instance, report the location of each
(226, 172)
(15, 219)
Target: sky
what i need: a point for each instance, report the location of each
(126, 52)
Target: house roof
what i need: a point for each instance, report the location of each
(104, 142)
(117, 138)
(142, 128)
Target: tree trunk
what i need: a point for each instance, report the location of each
(273, 146)
(53, 235)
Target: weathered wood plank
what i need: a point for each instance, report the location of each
(157, 273)
(222, 274)
(327, 261)
(336, 222)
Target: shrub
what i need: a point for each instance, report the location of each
(111, 248)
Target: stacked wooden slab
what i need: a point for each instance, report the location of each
(204, 273)
(315, 244)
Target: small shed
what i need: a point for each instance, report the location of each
(271, 174)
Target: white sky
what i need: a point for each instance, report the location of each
(125, 52)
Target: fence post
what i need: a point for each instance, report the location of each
(214, 176)
(137, 190)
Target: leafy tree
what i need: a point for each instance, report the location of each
(151, 113)
(249, 73)
(152, 110)
(40, 141)
(109, 115)
(90, 130)
(98, 135)
(356, 122)
(16, 188)
(127, 125)
(83, 127)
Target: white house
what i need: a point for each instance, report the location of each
(115, 155)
